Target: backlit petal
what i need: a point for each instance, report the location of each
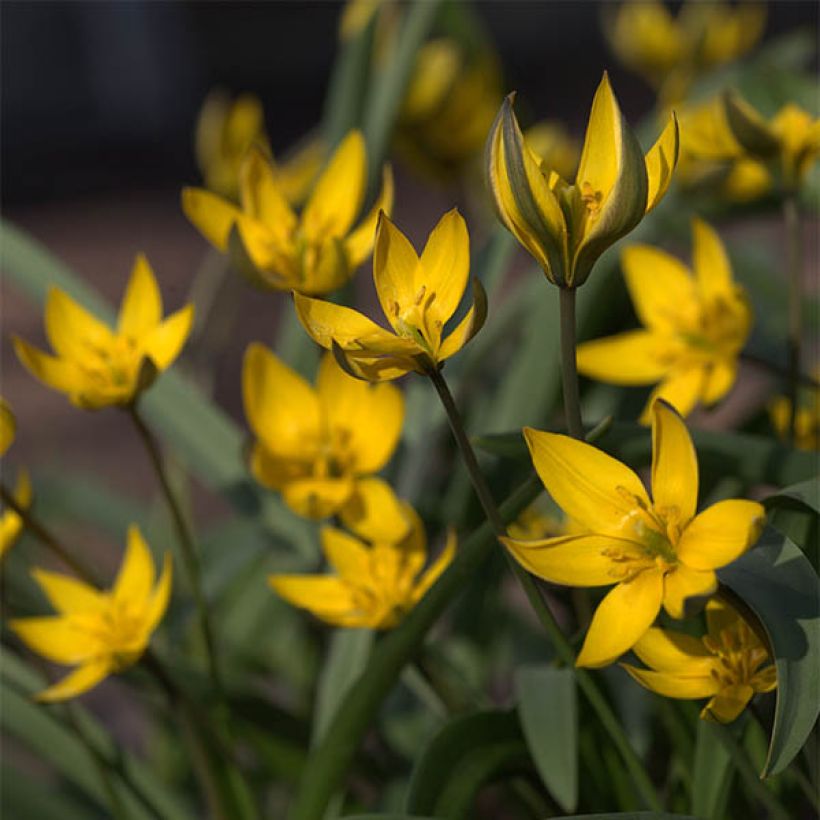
(8, 426)
(683, 583)
(328, 597)
(359, 243)
(574, 560)
(337, 195)
(728, 703)
(445, 265)
(672, 685)
(718, 381)
(59, 374)
(396, 271)
(720, 534)
(660, 163)
(472, 322)
(55, 638)
(211, 215)
(710, 263)
(281, 407)
(622, 618)
(71, 328)
(82, 679)
(135, 580)
(432, 573)
(141, 308)
(681, 389)
(261, 197)
(348, 556)
(674, 463)
(373, 512)
(626, 358)
(67, 594)
(668, 651)
(166, 341)
(585, 482)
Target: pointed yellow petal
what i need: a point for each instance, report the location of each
(576, 560)
(8, 426)
(661, 161)
(373, 512)
(348, 556)
(627, 358)
(67, 594)
(434, 571)
(55, 638)
(59, 374)
(338, 194)
(211, 215)
(82, 679)
(318, 497)
(711, 264)
(472, 322)
(396, 271)
(260, 195)
(367, 417)
(681, 389)
(359, 244)
(674, 686)
(445, 265)
(70, 328)
(327, 597)
(622, 618)
(683, 583)
(720, 534)
(281, 407)
(668, 651)
(674, 463)
(141, 309)
(166, 341)
(587, 484)
(720, 616)
(135, 580)
(728, 703)
(11, 525)
(329, 272)
(718, 381)
(660, 286)
(275, 471)
(765, 680)
(158, 602)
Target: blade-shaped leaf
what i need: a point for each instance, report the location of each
(713, 773)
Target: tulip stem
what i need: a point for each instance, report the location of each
(47, 539)
(569, 367)
(791, 219)
(187, 550)
(533, 592)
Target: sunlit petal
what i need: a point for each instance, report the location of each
(674, 463)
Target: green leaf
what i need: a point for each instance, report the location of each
(548, 711)
(713, 773)
(346, 658)
(467, 753)
(634, 815)
(22, 795)
(777, 582)
(794, 512)
(390, 816)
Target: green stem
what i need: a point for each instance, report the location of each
(187, 552)
(791, 219)
(47, 539)
(539, 605)
(569, 367)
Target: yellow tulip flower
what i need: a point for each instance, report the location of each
(96, 366)
(566, 227)
(99, 632)
(694, 326)
(555, 148)
(314, 252)
(227, 129)
(11, 525)
(418, 295)
(375, 584)
(318, 446)
(726, 665)
(656, 550)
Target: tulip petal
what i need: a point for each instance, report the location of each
(67, 594)
(8, 426)
(472, 322)
(261, 198)
(158, 602)
(585, 482)
(628, 358)
(11, 525)
(445, 266)
(711, 263)
(368, 417)
(373, 512)
(396, 271)
(82, 679)
(681, 389)
(683, 583)
(434, 571)
(327, 597)
(141, 309)
(337, 195)
(622, 618)
(56, 638)
(573, 560)
(672, 685)
(135, 579)
(71, 329)
(720, 534)
(661, 161)
(718, 381)
(348, 556)
(165, 343)
(318, 497)
(282, 408)
(359, 243)
(59, 374)
(674, 463)
(667, 651)
(728, 703)
(660, 286)
(211, 215)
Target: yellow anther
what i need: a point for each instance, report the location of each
(591, 198)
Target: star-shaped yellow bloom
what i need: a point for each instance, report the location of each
(695, 326)
(419, 296)
(227, 129)
(566, 227)
(728, 666)
(316, 251)
(375, 584)
(656, 550)
(318, 447)
(99, 632)
(96, 366)
(11, 525)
